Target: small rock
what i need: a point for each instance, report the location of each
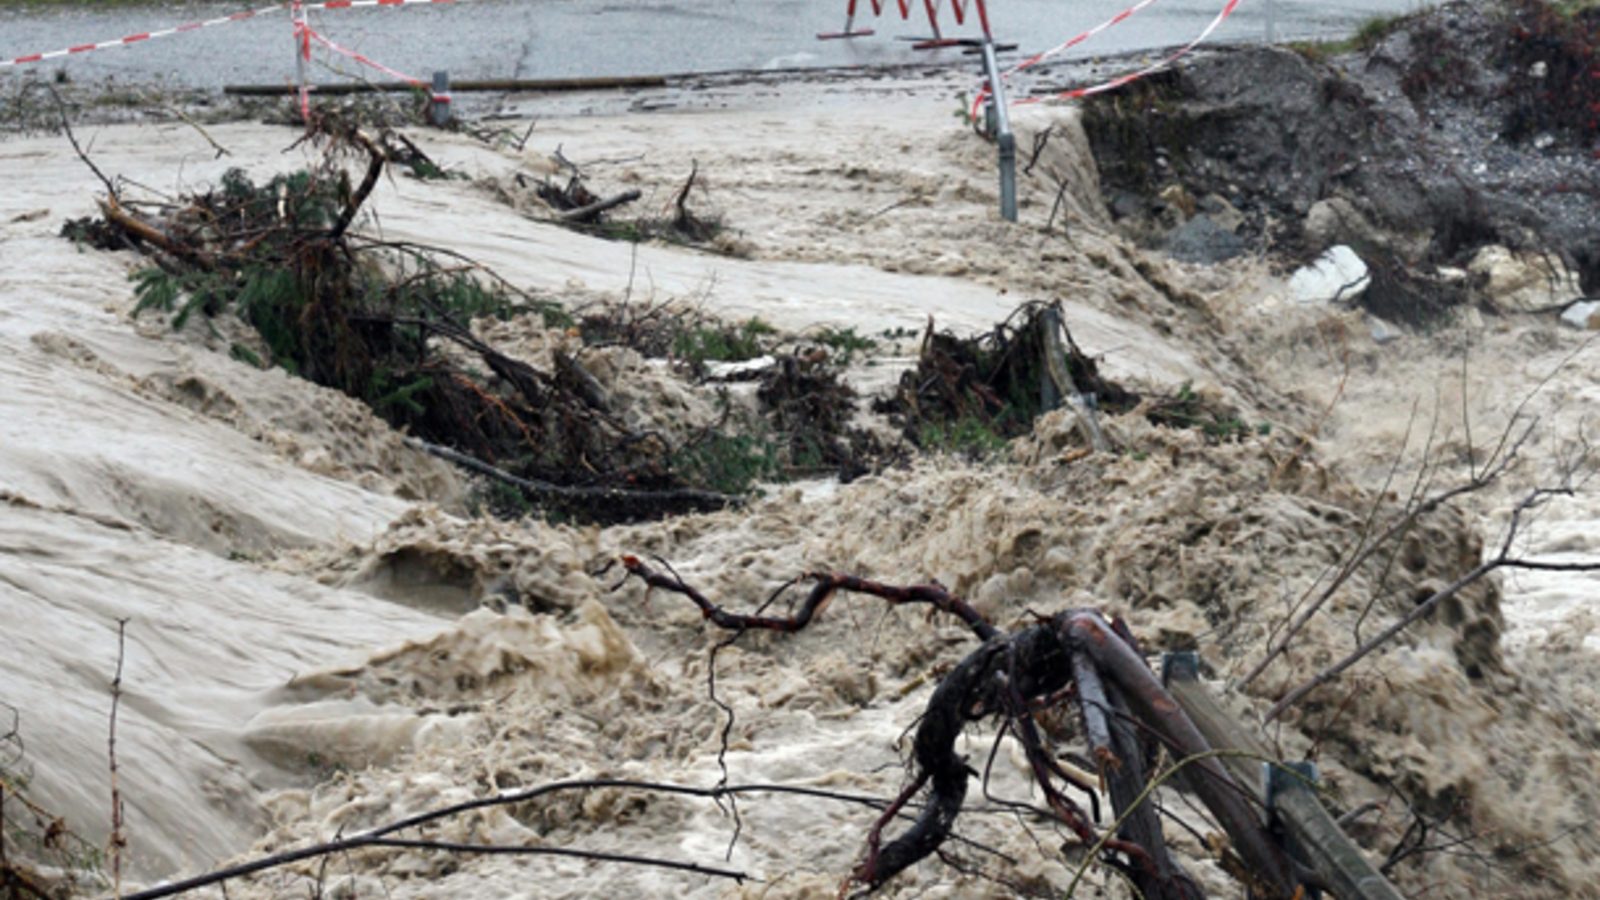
(1538, 70)
(1202, 240)
(1584, 316)
(744, 370)
(1382, 332)
(1126, 204)
(1544, 141)
(1451, 275)
(1522, 282)
(1337, 221)
(1175, 195)
(1225, 214)
(1338, 274)
(1469, 317)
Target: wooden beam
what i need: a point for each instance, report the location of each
(1329, 851)
(456, 87)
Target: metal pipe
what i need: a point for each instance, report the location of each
(1003, 136)
(439, 101)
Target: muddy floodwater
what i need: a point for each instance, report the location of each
(320, 631)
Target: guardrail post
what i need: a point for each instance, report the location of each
(439, 100)
(1346, 871)
(1277, 780)
(1002, 134)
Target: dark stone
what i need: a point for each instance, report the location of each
(1202, 240)
(1125, 204)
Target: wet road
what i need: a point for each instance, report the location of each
(565, 38)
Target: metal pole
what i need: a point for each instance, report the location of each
(1003, 135)
(439, 100)
(1346, 871)
(302, 49)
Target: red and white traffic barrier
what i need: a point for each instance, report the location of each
(137, 38)
(931, 7)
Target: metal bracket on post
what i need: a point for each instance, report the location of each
(1279, 778)
(1002, 134)
(1183, 665)
(439, 100)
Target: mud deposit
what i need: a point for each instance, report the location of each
(322, 637)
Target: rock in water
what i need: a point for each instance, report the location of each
(1338, 274)
(1523, 282)
(1584, 316)
(1202, 240)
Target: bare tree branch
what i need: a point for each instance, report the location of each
(1502, 559)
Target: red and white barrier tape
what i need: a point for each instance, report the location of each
(313, 35)
(136, 38)
(1073, 42)
(195, 26)
(1120, 80)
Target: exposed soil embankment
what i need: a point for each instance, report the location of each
(1438, 134)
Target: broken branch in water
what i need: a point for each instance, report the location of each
(1502, 559)
(119, 841)
(1007, 676)
(591, 210)
(381, 835)
(61, 107)
(704, 499)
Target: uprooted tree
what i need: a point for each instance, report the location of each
(1127, 715)
(390, 323)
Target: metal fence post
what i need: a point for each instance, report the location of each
(1002, 134)
(302, 53)
(439, 100)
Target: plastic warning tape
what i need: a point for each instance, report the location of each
(1120, 80)
(313, 35)
(137, 38)
(1073, 42)
(195, 26)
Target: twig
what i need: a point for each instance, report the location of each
(377, 836)
(1502, 559)
(1399, 526)
(67, 127)
(708, 499)
(376, 157)
(118, 840)
(521, 850)
(173, 109)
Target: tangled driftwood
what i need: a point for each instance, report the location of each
(1127, 715)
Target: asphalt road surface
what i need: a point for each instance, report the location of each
(565, 38)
